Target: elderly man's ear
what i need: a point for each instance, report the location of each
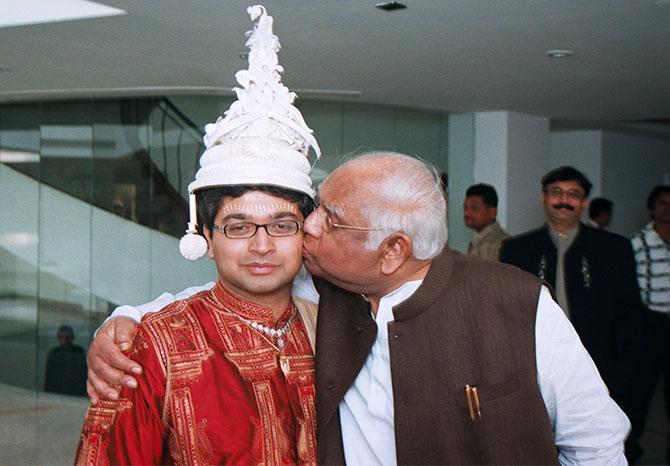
(396, 251)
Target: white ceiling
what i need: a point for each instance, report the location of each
(447, 55)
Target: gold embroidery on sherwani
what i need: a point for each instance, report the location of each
(99, 420)
(254, 365)
(181, 346)
(187, 443)
(299, 370)
(256, 359)
(219, 389)
(274, 439)
(306, 439)
(180, 341)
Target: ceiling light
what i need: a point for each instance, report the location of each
(28, 12)
(390, 6)
(558, 54)
(17, 156)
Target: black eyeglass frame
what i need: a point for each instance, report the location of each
(559, 193)
(224, 228)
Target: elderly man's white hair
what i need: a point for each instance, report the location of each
(403, 193)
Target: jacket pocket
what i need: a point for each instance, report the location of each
(477, 396)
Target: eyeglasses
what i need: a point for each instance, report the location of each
(571, 193)
(243, 230)
(329, 225)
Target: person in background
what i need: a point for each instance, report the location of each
(600, 213)
(480, 209)
(593, 274)
(66, 365)
(652, 254)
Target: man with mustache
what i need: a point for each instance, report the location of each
(592, 272)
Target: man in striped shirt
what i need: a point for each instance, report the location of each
(652, 254)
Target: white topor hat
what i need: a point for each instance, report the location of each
(263, 138)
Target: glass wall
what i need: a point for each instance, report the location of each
(93, 199)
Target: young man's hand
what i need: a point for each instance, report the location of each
(108, 367)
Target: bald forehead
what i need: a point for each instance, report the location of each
(343, 193)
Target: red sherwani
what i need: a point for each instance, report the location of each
(213, 391)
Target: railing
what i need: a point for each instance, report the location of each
(132, 157)
(180, 148)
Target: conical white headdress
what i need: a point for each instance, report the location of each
(263, 138)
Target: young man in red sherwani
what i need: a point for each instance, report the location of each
(228, 374)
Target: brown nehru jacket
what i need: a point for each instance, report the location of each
(470, 323)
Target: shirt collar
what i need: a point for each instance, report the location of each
(244, 308)
(563, 238)
(394, 298)
(485, 230)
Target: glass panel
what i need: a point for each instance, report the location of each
(66, 147)
(418, 133)
(19, 199)
(367, 127)
(325, 119)
(19, 240)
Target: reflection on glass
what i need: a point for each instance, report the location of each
(66, 365)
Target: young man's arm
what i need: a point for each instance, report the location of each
(129, 430)
(108, 367)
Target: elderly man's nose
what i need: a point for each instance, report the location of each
(313, 223)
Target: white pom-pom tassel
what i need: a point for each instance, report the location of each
(192, 246)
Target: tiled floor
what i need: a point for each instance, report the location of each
(38, 428)
(43, 428)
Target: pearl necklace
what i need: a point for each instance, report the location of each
(277, 333)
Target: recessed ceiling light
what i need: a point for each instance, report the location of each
(557, 54)
(390, 6)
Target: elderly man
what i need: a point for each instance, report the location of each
(427, 356)
(480, 209)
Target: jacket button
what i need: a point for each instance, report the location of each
(360, 328)
(396, 336)
(402, 402)
(330, 384)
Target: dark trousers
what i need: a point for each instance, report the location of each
(654, 363)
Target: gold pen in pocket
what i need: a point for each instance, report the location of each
(472, 397)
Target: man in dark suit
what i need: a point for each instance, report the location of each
(592, 272)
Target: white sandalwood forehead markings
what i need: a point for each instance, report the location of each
(258, 208)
